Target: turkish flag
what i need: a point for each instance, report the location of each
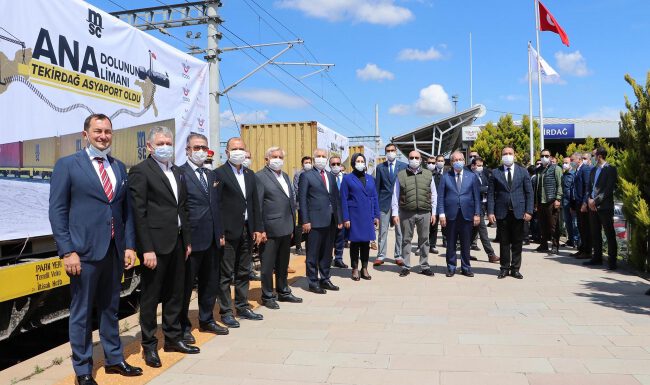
(548, 23)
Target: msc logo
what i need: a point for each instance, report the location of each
(94, 23)
(141, 147)
(37, 152)
(77, 145)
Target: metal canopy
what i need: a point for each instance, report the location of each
(439, 137)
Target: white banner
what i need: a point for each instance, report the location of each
(62, 60)
(333, 142)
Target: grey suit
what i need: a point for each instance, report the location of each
(277, 208)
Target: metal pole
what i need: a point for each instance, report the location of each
(213, 62)
(539, 78)
(471, 80)
(530, 105)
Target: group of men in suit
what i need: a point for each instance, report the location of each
(187, 224)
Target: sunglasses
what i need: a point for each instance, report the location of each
(335, 164)
(414, 157)
(199, 148)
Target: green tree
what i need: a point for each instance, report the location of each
(613, 154)
(494, 137)
(635, 182)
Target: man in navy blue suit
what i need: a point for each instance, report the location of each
(385, 177)
(581, 186)
(207, 234)
(459, 208)
(510, 204)
(91, 221)
(320, 212)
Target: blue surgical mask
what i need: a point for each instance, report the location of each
(458, 165)
(94, 152)
(163, 153)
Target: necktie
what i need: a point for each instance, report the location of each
(391, 170)
(107, 186)
(338, 181)
(322, 176)
(459, 182)
(593, 189)
(204, 183)
(509, 178)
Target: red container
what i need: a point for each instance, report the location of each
(11, 155)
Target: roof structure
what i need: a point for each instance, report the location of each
(439, 137)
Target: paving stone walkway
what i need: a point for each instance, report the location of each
(562, 324)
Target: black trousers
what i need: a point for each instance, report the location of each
(433, 232)
(275, 257)
(511, 242)
(602, 220)
(359, 250)
(481, 231)
(205, 265)
(584, 228)
(297, 235)
(549, 219)
(320, 242)
(236, 259)
(165, 283)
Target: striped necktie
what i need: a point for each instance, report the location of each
(107, 186)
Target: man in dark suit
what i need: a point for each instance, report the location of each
(509, 205)
(581, 187)
(336, 169)
(480, 231)
(277, 210)
(163, 238)
(459, 208)
(207, 233)
(297, 235)
(602, 184)
(242, 224)
(436, 165)
(320, 210)
(385, 177)
(91, 221)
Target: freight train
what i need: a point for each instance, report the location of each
(34, 290)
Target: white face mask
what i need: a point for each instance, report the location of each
(479, 169)
(276, 164)
(247, 163)
(199, 157)
(566, 166)
(320, 163)
(440, 165)
(163, 153)
(360, 166)
(335, 169)
(431, 166)
(414, 163)
(307, 166)
(237, 157)
(508, 160)
(545, 161)
(391, 155)
(97, 153)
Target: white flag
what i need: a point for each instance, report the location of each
(547, 70)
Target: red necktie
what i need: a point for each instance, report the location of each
(322, 175)
(108, 187)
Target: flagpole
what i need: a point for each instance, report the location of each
(530, 105)
(471, 81)
(539, 78)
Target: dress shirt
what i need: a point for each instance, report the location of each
(107, 168)
(327, 179)
(599, 169)
(283, 183)
(167, 170)
(434, 195)
(239, 175)
(455, 177)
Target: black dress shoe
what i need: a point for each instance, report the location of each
(427, 272)
(317, 290)
(433, 250)
(289, 298)
(181, 347)
(475, 248)
(270, 303)
(365, 275)
(339, 263)
(473, 258)
(213, 327)
(592, 262)
(612, 267)
(123, 369)
(404, 272)
(86, 379)
(230, 321)
(249, 314)
(450, 273)
(502, 274)
(516, 274)
(467, 273)
(151, 358)
(541, 248)
(328, 285)
(188, 338)
(555, 250)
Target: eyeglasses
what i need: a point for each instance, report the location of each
(414, 157)
(199, 148)
(335, 164)
(431, 162)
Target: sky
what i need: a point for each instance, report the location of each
(411, 56)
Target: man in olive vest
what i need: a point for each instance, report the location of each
(414, 205)
(548, 200)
